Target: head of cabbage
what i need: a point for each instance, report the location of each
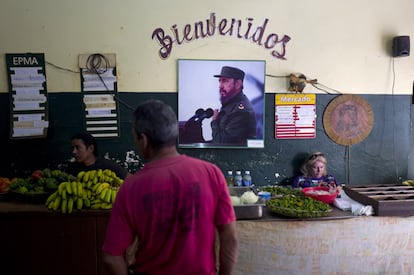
(248, 197)
(235, 200)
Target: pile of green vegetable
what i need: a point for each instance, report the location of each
(298, 206)
(41, 181)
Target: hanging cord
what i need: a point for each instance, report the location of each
(61, 68)
(325, 88)
(316, 85)
(99, 64)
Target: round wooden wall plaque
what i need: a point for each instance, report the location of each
(348, 119)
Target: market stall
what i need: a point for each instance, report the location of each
(50, 242)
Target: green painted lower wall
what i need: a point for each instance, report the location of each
(382, 157)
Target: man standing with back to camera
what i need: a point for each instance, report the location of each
(236, 120)
(172, 207)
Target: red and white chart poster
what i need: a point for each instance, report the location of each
(295, 116)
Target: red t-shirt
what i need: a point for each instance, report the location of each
(173, 205)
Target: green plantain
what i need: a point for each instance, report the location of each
(79, 203)
(51, 198)
(74, 186)
(64, 206)
(70, 205)
(56, 203)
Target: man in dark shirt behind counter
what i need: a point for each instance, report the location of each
(235, 123)
(85, 152)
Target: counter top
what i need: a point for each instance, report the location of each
(12, 207)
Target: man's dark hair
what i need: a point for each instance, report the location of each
(157, 121)
(88, 140)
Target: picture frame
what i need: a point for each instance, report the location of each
(238, 118)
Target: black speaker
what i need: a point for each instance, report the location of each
(401, 46)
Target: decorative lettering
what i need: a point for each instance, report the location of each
(166, 42)
(225, 27)
(294, 99)
(25, 60)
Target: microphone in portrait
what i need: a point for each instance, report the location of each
(206, 114)
(197, 114)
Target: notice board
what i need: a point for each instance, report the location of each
(100, 94)
(28, 95)
(295, 116)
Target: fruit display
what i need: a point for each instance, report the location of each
(5, 184)
(40, 181)
(408, 182)
(94, 189)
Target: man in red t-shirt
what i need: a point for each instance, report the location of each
(172, 207)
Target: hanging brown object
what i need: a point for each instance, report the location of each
(348, 119)
(297, 82)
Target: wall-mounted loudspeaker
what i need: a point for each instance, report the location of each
(401, 46)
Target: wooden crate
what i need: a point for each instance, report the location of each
(386, 200)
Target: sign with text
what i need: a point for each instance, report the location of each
(295, 116)
(28, 95)
(100, 94)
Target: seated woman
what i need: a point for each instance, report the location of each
(314, 173)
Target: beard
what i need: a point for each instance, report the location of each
(226, 96)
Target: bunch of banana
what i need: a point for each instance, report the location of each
(95, 189)
(93, 177)
(104, 196)
(69, 195)
(408, 182)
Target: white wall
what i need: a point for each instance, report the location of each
(346, 45)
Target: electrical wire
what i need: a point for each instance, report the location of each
(99, 64)
(61, 68)
(316, 85)
(324, 89)
(277, 76)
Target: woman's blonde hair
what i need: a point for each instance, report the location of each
(306, 168)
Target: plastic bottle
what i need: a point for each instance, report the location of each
(229, 178)
(247, 178)
(238, 179)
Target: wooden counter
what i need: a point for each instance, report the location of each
(37, 241)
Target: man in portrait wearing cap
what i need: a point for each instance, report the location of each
(235, 122)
